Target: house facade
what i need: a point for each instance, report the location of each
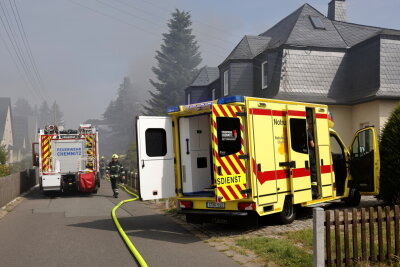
(6, 127)
(310, 57)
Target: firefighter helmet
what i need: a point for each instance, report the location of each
(114, 156)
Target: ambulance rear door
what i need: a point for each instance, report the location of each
(365, 162)
(228, 151)
(155, 157)
(299, 161)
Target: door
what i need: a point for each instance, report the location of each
(228, 150)
(299, 160)
(155, 157)
(364, 161)
(263, 118)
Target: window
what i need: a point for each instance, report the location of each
(212, 94)
(363, 144)
(317, 23)
(226, 82)
(156, 142)
(229, 137)
(264, 71)
(188, 98)
(298, 135)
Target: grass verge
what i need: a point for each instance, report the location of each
(280, 251)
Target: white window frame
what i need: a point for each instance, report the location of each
(264, 84)
(226, 82)
(213, 94)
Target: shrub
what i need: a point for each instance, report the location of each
(4, 170)
(390, 159)
(3, 154)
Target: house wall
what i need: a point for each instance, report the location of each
(386, 108)
(273, 76)
(342, 116)
(363, 69)
(390, 65)
(8, 137)
(312, 71)
(240, 78)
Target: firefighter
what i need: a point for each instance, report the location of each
(114, 171)
(103, 166)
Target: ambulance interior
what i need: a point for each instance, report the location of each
(196, 160)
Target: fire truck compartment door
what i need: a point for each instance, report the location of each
(299, 159)
(228, 147)
(155, 157)
(364, 161)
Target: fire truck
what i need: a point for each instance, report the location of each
(241, 156)
(68, 160)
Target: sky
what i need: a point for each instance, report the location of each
(82, 49)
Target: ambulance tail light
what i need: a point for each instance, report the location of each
(230, 99)
(246, 206)
(186, 204)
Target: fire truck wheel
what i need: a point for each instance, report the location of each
(288, 214)
(354, 197)
(194, 218)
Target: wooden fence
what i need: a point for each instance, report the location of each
(371, 235)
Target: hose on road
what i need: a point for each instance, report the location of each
(121, 231)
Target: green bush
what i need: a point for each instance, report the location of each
(3, 154)
(390, 159)
(4, 170)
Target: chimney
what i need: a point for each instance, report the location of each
(337, 10)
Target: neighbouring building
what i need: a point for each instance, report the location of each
(310, 57)
(6, 127)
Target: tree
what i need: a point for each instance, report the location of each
(56, 114)
(177, 59)
(390, 159)
(120, 117)
(22, 108)
(45, 117)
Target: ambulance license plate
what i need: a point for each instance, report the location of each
(215, 205)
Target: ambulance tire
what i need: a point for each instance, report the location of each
(288, 214)
(354, 197)
(194, 218)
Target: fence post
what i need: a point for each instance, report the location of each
(319, 242)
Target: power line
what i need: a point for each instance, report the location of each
(17, 50)
(27, 44)
(132, 25)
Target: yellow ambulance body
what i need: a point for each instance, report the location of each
(240, 156)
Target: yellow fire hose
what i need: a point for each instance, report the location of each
(121, 231)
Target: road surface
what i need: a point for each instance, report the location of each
(77, 230)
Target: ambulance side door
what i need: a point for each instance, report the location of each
(299, 160)
(155, 157)
(364, 161)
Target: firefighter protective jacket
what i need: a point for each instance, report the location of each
(114, 168)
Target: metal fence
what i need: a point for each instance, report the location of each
(359, 235)
(132, 180)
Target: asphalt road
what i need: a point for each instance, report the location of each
(77, 230)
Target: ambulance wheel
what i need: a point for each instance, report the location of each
(354, 197)
(288, 214)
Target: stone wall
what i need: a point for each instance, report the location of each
(15, 184)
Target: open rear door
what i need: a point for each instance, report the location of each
(155, 157)
(299, 161)
(228, 149)
(364, 161)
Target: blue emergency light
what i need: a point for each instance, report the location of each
(173, 109)
(231, 99)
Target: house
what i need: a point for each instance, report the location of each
(22, 142)
(310, 57)
(6, 127)
(204, 87)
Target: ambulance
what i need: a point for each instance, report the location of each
(245, 156)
